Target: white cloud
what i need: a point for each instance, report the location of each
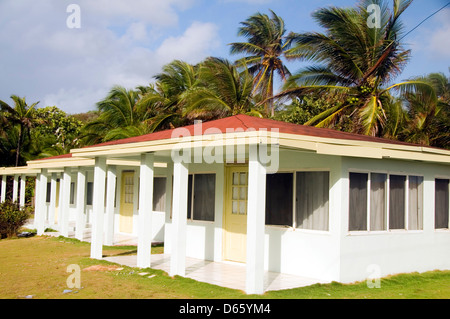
(198, 39)
(73, 69)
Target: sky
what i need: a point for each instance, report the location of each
(50, 54)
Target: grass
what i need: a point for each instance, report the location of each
(37, 267)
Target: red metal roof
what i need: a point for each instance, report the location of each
(245, 122)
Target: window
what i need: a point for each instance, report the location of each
(89, 192)
(378, 201)
(49, 191)
(159, 194)
(375, 198)
(201, 196)
(311, 200)
(279, 193)
(441, 203)
(72, 193)
(239, 190)
(358, 201)
(415, 203)
(397, 196)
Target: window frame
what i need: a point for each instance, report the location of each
(387, 201)
(434, 203)
(294, 227)
(191, 200)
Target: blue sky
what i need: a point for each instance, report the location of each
(127, 42)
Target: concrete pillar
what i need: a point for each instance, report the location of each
(23, 179)
(65, 203)
(52, 206)
(40, 207)
(145, 210)
(168, 205)
(98, 207)
(110, 203)
(255, 223)
(179, 219)
(80, 204)
(3, 194)
(15, 194)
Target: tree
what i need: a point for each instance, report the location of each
(55, 132)
(429, 118)
(356, 61)
(221, 90)
(267, 44)
(121, 117)
(19, 118)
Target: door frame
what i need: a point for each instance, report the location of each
(227, 206)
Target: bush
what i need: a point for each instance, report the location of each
(12, 217)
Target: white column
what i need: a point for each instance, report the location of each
(81, 204)
(179, 219)
(98, 207)
(37, 190)
(15, 194)
(40, 207)
(63, 210)
(168, 210)
(52, 206)
(145, 211)
(23, 179)
(255, 223)
(110, 201)
(3, 194)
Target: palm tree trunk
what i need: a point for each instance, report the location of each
(18, 146)
(270, 94)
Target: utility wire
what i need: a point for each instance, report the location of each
(424, 21)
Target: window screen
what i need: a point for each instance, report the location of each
(279, 193)
(204, 196)
(358, 201)
(441, 209)
(49, 190)
(159, 194)
(89, 193)
(72, 193)
(378, 201)
(201, 196)
(312, 193)
(397, 201)
(415, 203)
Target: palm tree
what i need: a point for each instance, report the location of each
(222, 90)
(356, 61)
(429, 119)
(19, 117)
(121, 117)
(267, 44)
(164, 96)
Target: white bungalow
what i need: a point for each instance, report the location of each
(273, 196)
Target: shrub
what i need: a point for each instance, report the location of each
(12, 217)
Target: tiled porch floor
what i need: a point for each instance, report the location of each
(225, 274)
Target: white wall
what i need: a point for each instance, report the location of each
(158, 218)
(395, 251)
(203, 238)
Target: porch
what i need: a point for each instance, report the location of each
(225, 273)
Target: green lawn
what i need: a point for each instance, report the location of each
(37, 267)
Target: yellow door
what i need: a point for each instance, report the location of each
(235, 214)
(126, 203)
